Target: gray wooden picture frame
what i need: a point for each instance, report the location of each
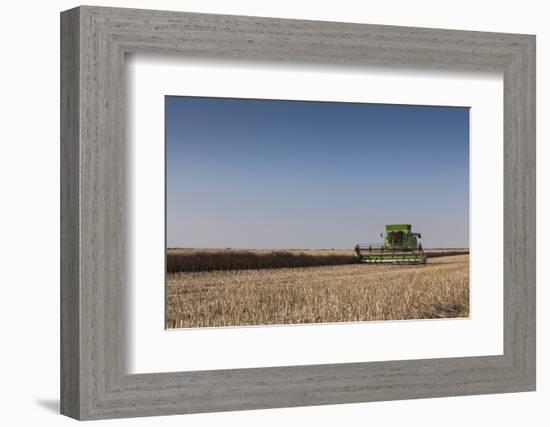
(94, 381)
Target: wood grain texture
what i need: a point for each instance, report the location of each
(94, 381)
(70, 220)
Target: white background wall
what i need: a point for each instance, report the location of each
(29, 212)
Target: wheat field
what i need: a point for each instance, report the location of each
(319, 294)
(184, 260)
(246, 259)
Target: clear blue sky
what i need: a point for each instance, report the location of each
(290, 174)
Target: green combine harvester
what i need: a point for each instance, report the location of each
(401, 246)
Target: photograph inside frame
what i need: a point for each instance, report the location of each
(299, 212)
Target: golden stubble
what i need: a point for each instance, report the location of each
(322, 294)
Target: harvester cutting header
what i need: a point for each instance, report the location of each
(400, 245)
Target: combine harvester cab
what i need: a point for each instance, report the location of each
(401, 246)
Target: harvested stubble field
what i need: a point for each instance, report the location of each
(320, 294)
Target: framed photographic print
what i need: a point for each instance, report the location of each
(263, 194)
(262, 213)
